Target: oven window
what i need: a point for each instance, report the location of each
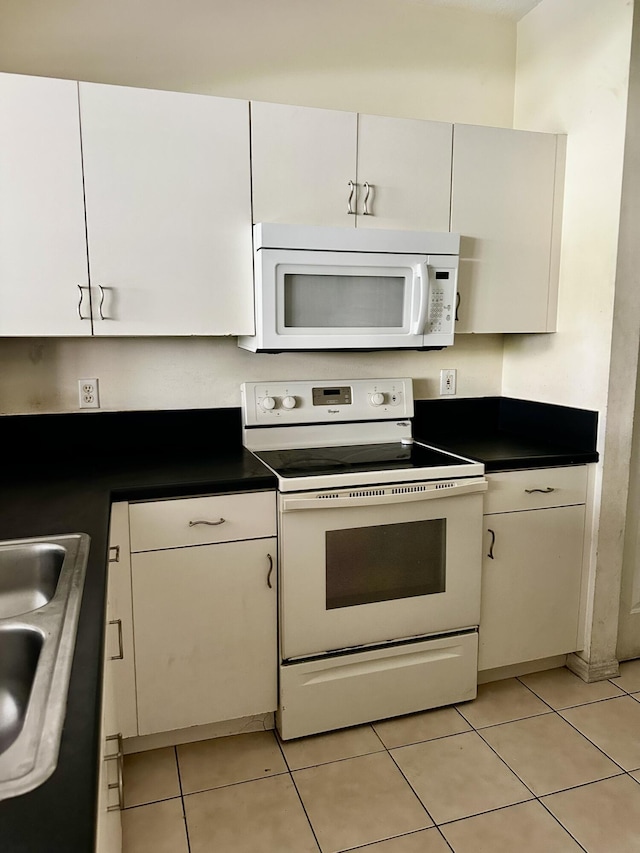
(385, 562)
(317, 301)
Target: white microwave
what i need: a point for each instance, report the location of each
(352, 289)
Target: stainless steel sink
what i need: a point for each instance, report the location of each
(41, 582)
(29, 576)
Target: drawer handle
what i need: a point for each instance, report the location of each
(115, 551)
(352, 189)
(367, 211)
(119, 758)
(82, 288)
(546, 491)
(270, 558)
(493, 542)
(210, 523)
(120, 655)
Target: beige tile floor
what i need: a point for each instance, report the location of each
(539, 764)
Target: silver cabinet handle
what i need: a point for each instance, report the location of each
(116, 554)
(368, 188)
(493, 542)
(546, 491)
(120, 655)
(119, 758)
(270, 558)
(209, 523)
(352, 191)
(82, 288)
(101, 303)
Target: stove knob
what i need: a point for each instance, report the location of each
(268, 403)
(377, 399)
(289, 402)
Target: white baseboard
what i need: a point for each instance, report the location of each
(525, 668)
(255, 723)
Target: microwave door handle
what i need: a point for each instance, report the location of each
(421, 276)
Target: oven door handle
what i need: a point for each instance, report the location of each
(378, 495)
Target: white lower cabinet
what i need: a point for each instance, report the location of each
(110, 791)
(203, 592)
(533, 566)
(119, 628)
(205, 628)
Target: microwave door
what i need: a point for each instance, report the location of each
(340, 300)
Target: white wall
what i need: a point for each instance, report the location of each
(572, 75)
(394, 57)
(173, 373)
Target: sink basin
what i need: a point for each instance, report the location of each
(41, 582)
(29, 576)
(19, 653)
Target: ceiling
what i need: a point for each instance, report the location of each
(513, 9)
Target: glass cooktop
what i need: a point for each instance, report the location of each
(390, 456)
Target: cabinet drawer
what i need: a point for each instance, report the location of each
(202, 521)
(536, 488)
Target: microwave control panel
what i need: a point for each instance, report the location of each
(315, 401)
(441, 311)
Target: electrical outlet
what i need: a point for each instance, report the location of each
(88, 394)
(448, 382)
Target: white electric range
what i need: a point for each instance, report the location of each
(379, 553)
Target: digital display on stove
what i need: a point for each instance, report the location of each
(332, 396)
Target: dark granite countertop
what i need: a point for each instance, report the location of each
(57, 477)
(508, 434)
(60, 474)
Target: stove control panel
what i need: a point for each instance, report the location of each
(325, 401)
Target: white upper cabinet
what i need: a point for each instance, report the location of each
(43, 256)
(325, 167)
(405, 165)
(506, 203)
(167, 189)
(302, 162)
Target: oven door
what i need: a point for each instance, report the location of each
(365, 566)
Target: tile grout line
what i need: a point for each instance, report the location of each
(184, 810)
(579, 704)
(293, 782)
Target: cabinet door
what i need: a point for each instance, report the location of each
(205, 633)
(531, 587)
(168, 212)
(302, 160)
(43, 254)
(119, 637)
(506, 196)
(407, 164)
(109, 824)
